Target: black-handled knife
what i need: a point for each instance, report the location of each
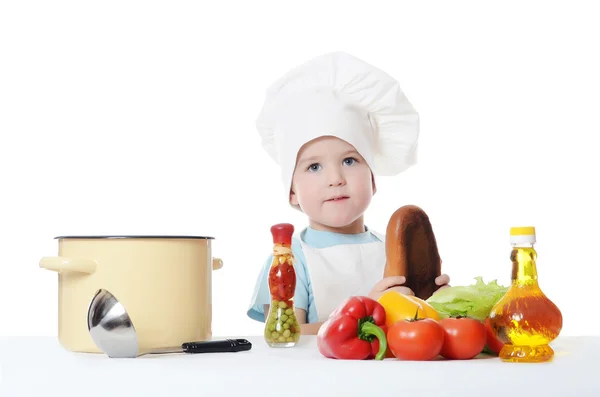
(217, 346)
(210, 346)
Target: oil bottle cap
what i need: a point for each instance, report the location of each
(522, 235)
(282, 233)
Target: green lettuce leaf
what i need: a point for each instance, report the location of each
(475, 301)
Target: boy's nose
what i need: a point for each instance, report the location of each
(336, 179)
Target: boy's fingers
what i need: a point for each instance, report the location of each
(389, 282)
(402, 290)
(443, 279)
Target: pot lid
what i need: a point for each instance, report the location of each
(135, 237)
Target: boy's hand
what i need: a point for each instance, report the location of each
(393, 283)
(443, 281)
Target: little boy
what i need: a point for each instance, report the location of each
(332, 124)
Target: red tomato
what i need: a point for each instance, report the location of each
(464, 338)
(493, 343)
(420, 339)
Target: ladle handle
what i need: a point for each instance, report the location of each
(217, 346)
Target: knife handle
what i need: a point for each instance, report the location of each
(217, 346)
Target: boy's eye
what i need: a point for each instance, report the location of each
(349, 161)
(314, 167)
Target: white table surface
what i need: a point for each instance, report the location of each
(39, 366)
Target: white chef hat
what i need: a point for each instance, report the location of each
(339, 95)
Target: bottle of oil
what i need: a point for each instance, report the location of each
(282, 328)
(525, 319)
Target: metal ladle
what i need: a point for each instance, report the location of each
(113, 332)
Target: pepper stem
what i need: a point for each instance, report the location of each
(369, 328)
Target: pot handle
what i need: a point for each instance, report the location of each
(63, 264)
(217, 263)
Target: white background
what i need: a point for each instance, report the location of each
(122, 117)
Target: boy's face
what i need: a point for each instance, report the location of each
(332, 183)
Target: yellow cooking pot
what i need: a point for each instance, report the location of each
(164, 282)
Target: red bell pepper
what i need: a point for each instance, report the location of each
(354, 331)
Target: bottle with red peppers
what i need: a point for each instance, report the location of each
(282, 328)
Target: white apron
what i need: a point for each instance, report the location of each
(341, 271)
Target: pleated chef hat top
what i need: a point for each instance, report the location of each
(339, 95)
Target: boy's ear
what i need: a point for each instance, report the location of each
(373, 182)
(293, 198)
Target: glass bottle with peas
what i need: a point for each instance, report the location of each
(282, 328)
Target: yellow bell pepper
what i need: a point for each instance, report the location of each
(400, 307)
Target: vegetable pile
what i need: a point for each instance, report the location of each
(453, 324)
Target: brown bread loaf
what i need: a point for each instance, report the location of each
(411, 250)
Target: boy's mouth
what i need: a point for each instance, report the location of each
(338, 198)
